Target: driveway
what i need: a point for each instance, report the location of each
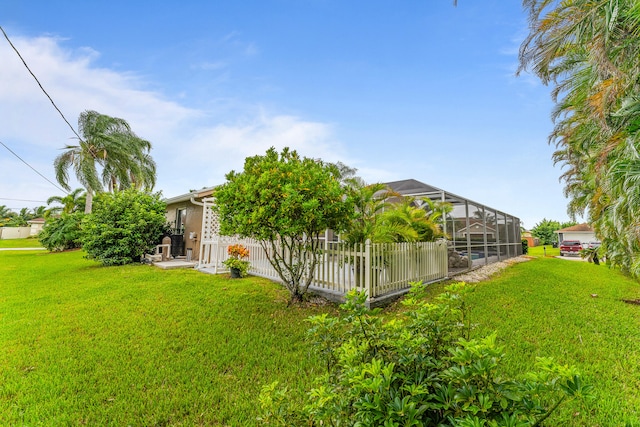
(572, 258)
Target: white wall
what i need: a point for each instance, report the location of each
(583, 236)
(7, 233)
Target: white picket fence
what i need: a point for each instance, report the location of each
(379, 268)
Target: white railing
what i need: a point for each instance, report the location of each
(379, 268)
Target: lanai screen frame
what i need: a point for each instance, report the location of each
(485, 234)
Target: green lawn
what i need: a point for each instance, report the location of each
(539, 251)
(573, 312)
(82, 344)
(20, 243)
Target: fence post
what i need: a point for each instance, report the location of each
(367, 268)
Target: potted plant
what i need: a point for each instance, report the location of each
(236, 262)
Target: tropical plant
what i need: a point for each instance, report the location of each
(72, 202)
(420, 369)
(369, 202)
(422, 219)
(62, 232)
(285, 202)
(109, 153)
(591, 255)
(588, 51)
(123, 226)
(384, 216)
(6, 216)
(5, 212)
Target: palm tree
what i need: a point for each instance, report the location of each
(369, 201)
(108, 153)
(72, 202)
(588, 49)
(5, 212)
(38, 212)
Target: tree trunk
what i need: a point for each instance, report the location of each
(89, 202)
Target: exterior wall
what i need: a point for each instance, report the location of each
(7, 233)
(36, 228)
(192, 225)
(583, 236)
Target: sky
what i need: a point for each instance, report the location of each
(404, 89)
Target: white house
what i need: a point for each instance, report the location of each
(582, 232)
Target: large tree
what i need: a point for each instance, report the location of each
(545, 230)
(588, 50)
(109, 154)
(286, 202)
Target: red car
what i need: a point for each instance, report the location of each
(568, 247)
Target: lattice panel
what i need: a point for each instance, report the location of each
(210, 222)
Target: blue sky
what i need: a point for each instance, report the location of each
(399, 90)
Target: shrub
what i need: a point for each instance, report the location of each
(63, 232)
(525, 247)
(123, 226)
(417, 370)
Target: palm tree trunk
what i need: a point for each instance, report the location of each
(89, 204)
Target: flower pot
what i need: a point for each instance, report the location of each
(235, 273)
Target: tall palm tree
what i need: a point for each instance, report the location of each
(109, 153)
(588, 50)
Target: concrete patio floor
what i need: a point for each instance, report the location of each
(174, 264)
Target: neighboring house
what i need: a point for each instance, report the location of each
(36, 225)
(476, 230)
(184, 214)
(582, 232)
(531, 240)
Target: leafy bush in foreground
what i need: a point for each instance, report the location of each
(418, 370)
(63, 232)
(123, 226)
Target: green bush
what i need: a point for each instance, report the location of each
(123, 226)
(525, 246)
(417, 370)
(63, 232)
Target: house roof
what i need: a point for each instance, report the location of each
(196, 194)
(411, 186)
(479, 223)
(36, 221)
(576, 228)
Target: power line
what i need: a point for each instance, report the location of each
(38, 81)
(23, 200)
(33, 169)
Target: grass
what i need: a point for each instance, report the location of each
(82, 344)
(20, 243)
(573, 312)
(539, 251)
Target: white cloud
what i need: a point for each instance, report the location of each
(191, 147)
